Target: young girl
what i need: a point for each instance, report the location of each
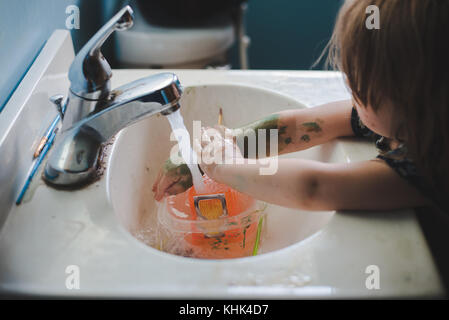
(399, 79)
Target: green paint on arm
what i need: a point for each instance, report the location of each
(270, 122)
(305, 138)
(283, 130)
(178, 172)
(312, 127)
(186, 182)
(183, 169)
(169, 166)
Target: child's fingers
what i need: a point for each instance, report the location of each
(158, 179)
(165, 184)
(175, 189)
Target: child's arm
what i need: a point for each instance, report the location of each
(299, 129)
(312, 185)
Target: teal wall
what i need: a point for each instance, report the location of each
(288, 34)
(285, 34)
(25, 25)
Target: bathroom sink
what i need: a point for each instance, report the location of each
(104, 230)
(139, 151)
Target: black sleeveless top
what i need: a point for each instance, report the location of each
(397, 159)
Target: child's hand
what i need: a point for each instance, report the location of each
(217, 147)
(172, 179)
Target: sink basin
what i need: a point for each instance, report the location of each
(139, 151)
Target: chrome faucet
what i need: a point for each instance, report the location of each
(92, 113)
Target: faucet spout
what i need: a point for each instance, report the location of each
(75, 158)
(132, 102)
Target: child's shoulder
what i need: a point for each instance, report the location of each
(397, 159)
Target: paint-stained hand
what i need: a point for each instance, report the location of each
(171, 179)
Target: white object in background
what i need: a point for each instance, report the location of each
(147, 46)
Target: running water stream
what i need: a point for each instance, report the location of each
(182, 135)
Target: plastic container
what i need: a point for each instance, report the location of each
(183, 232)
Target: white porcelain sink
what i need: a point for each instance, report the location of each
(139, 151)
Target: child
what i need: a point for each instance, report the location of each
(399, 79)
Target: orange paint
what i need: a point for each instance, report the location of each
(232, 236)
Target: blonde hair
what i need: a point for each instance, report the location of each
(404, 66)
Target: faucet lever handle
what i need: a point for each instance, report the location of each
(89, 73)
